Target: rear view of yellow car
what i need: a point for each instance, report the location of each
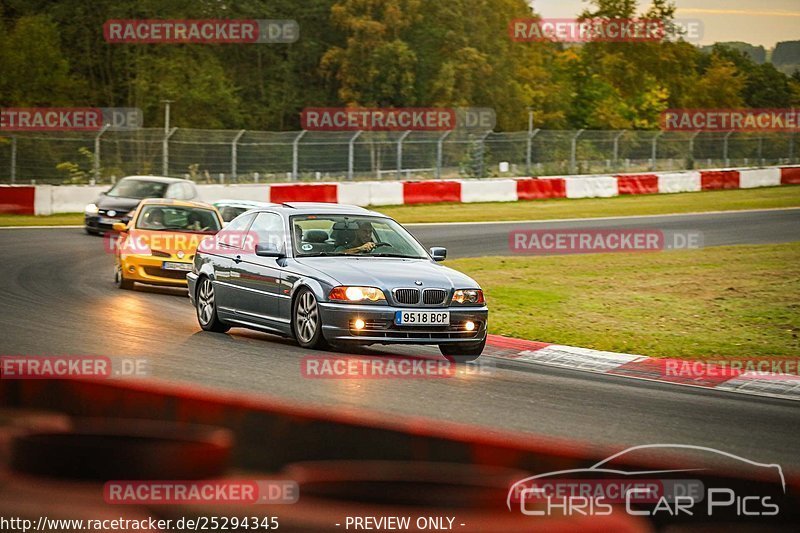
(157, 246)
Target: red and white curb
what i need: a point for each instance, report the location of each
(676, 371)
(49, 199)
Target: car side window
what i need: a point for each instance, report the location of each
(173, 192)
(189, 192)
(234, 233)
(267, 228)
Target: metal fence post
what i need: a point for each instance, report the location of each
(616, 147)
(573, 153)
(791, 147)
(165, 152)
(96, 170)
(654, 150)
(529, 149)
(400, 154)
(691, 148)
(483, 153)
(351, 155)
(760, 150)
(725, 149)
(439, 144)
(295, 158)
(235, 154)
(13, 159)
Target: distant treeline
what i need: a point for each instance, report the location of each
(372, 53)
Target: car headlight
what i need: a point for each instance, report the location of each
(356, 294)
(468, 297)
(90, 209)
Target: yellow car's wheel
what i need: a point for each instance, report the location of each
(120, 280)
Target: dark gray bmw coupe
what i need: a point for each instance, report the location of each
(332, 274)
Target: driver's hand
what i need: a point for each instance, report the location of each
(367, 246)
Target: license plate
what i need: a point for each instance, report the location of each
(169, 265)
(422, 318)
(109, 221)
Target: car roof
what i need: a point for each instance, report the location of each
(161, 179)
(176, 203)
(244, 203)
(320, 208)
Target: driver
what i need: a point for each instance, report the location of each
(362, 242)
(155, 218)
(193, 222)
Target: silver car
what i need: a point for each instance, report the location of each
(331, 274)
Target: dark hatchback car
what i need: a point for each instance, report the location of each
(118, 203)
(330, 274)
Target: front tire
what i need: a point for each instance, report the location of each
(307, 321)
(120, 280)
(207, 308)
(463, 352)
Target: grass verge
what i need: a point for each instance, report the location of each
(62, 219)
(733, 301)
(651, 204)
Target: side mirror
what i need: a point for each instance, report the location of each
(268, 249)
(119, 227)
(438, 253)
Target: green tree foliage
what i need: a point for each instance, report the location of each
(373, 53)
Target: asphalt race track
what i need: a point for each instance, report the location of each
(717, 229)
(57, 298)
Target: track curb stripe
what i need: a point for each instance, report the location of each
(692, 373)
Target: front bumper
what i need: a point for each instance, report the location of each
(100, 223)
(338, 319)
(148, 269)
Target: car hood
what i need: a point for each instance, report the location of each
(388, 273)
(117, 203)
(164, 241)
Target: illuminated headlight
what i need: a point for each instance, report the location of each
(90, 209)
(469, 325)
(468, 297)
(356, 294)
(359, 324)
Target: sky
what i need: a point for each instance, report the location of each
(759, 22)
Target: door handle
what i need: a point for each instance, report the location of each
(237, 259)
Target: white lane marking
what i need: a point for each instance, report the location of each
(41, 227)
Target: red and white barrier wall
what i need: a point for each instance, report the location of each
(48, 199)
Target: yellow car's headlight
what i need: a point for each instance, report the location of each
(356, 294)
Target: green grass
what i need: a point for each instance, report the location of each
(63, 219)
(734, 301)
(655, 204)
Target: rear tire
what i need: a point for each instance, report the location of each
(307, 321)
(120, 280)
(206, 306)
(465, 352)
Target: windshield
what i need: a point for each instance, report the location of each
(129, 188)
(174, 218)
(228, 213)
(332, 235)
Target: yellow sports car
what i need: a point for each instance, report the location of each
(157, 246)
